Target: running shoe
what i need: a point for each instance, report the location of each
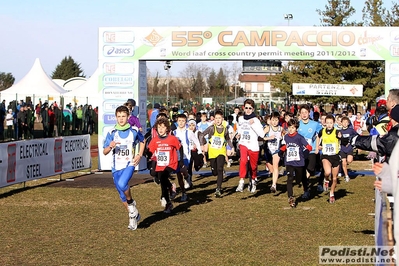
(339, 175)
(332, 199)
(172, 191)
(134, 216)
(156, 180)
(253, 186)
(291, 202)
(218, 193)
(273, 189)
(228, 164)
(188, 182)
(347, 179)
(163, 202)
(168, 208)
(183, 197)
(320, 188)
(240, 187)
(133, 221)
(326, 185)
(306, 195)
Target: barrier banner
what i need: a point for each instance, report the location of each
(75, 153)
(34, 159)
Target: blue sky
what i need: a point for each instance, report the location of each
(51, 30)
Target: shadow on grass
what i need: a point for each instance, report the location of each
(365, 232)
(23, 189)
(194, 198)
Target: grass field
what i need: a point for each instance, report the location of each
(44, 225)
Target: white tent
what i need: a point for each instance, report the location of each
(87, 93)
(36, 84)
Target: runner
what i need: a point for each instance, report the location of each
(185, 136)
(202, 125)
(249, 129)
(309, 130)
(219, 137)
(346, 151)
(121, 141)
(196, 155)
(296, 150)
(165, 148)
(329, 146)
(273, 137)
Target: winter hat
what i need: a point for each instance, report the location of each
(394, 114)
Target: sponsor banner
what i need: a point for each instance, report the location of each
(121, 68)
(118, 50)
(119, 93)
(34, 159)
(118, 81)
(327, 89)
(118, 36)
(251, 43)
(76, 153)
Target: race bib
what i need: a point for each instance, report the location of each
(273, 146)
(163, 158)
(246, 136)
(217, 142)
(329, 149)
(122, 151)
(293, 154)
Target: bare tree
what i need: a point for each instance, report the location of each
(190, 75)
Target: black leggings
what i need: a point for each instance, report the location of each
(310, 164)
(299, 176)
(165, 182)
(217, 165)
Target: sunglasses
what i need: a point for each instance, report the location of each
(250, 108)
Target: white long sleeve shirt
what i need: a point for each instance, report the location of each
(186, 139)
(249, 133)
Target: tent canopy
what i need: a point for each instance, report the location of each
(87, 93)
(35, 82)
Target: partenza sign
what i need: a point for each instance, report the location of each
(327, 89)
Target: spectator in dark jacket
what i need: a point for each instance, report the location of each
(45, 120)
(382, 145)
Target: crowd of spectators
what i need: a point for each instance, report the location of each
(22, 120)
